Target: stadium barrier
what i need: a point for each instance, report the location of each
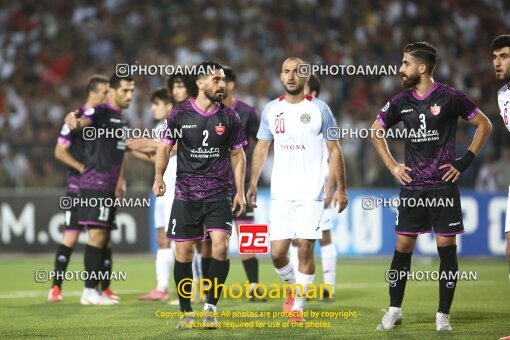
(32, 222)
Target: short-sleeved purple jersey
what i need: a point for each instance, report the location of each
(103, 155)
(74, 139)
(431, 122)
(205, 140)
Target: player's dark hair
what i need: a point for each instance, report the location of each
(115, 80)
(424, 52)
(230, 75)
(187, 80)
(205, 67)
(162, 94)
(314, 84)
(500, 42)
(95, 80)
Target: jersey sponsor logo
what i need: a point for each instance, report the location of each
(453, 224)
(187, 126)
(305, 118)
(205, 153)
(89, 112)
(435, 109)
(164, 126)
(220, 129)
(115, 120)
(293, 147)
(406, 111)
(386, 107)
(279, 114)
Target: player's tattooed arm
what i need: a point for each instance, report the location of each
(162, 157)
(63, 155)
(238, 160)
(257, 163)
(399, 171)
(340, 199)
(483, 131)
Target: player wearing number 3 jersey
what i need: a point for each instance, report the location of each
(430, 112)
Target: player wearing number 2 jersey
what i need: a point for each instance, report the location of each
(211, 139)
(430, 113)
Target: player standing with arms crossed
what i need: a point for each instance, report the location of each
(299, 124)
(70, 151)
(212, 138)
(430, 172)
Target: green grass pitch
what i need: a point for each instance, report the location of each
(480, 310)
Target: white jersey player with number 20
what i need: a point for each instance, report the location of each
(298, 124)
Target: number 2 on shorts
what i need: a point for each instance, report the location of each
(174, 223)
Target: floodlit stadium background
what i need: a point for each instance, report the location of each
(48, 49)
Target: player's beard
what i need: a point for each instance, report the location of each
(299, 88)
(410, 81)
(506, 76)
(217, 96)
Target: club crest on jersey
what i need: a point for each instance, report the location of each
(305, 118)
(220, 129)
(435, 109)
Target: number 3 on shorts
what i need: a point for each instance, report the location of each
(174, 223)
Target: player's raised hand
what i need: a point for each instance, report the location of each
(71, 120)
(451, 175)
(400, 173)
(340, 200)
(251, 196)
(240, 202)
(159, 187)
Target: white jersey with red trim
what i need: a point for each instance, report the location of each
(299, 131)
(504, 104)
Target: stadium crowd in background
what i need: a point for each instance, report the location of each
(48, 52)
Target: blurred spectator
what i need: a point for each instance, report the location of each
(487, 176)
(49, 49)
(503, 169)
